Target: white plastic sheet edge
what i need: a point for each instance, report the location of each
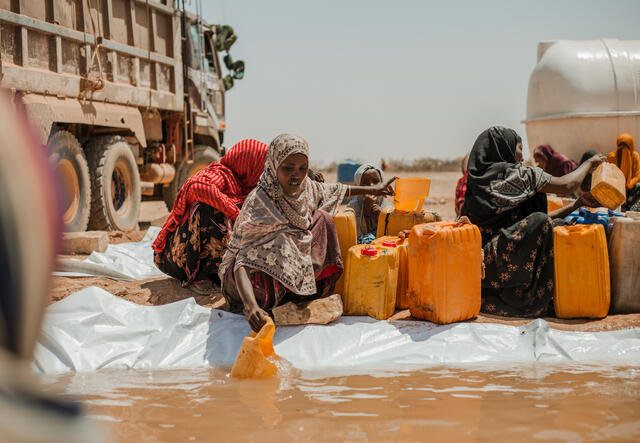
(93, 330)
(125, 261)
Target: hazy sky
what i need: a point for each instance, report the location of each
(395, 79)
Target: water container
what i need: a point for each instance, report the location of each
(554, 203)
(608, 186)
(583, 94)
(402, 301)
(624, 264)
(410, 193)
(256, 356)
(347, 171)
(445, 271)
(391, 221)
(371, 280)
(345, 221)
(585, 216)
(582, 286)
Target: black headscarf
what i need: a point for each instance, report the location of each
(497, 184)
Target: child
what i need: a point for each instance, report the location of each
(284, 245)
(367, 207)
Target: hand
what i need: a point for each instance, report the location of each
(256, 317)
(588, 201)
(403, 235)
(384, 189)
(464, 220)
(368, 201)
(595, 161)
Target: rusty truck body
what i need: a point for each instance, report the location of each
(127, 95)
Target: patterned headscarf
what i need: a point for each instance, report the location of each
(293, 207)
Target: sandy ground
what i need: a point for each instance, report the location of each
(165, 290)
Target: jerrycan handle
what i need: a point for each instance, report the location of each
(369, 252)
(389, 244)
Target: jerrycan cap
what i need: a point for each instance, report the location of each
(369, 252)
(389, 244)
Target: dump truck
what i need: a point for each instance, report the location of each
(127, 95)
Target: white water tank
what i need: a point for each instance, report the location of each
(582, 94)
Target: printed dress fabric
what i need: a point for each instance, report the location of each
(504, 201)
(192, 241)
(274, 232)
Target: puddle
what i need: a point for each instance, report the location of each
(539, 403)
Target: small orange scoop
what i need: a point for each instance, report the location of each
(256, 355)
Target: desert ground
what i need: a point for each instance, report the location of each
(165, 290)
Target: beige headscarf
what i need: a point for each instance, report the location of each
(271, 233)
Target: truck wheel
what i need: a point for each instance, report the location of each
(115, 185)
(72, 170)
(203, 156)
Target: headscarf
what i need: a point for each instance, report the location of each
(626, 159)
(271, 233)
(224, 185)
(496, 183)
(557, 164)
(364, 224)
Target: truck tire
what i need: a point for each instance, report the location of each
(203, 156)
(72, 170)
(115, 185)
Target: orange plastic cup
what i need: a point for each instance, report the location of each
(410, 193)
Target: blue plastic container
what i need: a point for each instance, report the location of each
(585, 217)
(347, 170)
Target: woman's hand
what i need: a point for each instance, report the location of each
(587, 200)
(256, 317)
(403, 235)
(595, 161)
(463, 220)
(385, 188)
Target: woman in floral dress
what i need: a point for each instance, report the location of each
(508, 202)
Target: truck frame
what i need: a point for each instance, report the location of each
(127, 95)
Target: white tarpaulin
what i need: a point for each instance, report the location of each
(93, 329)
(126, 261)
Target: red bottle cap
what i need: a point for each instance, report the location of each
(389, 244)
(369, 251)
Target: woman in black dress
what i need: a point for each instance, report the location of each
(508, 202)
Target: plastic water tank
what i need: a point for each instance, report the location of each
(582, 94)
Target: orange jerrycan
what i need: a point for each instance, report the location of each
(392, 221)
(345, 221)
(402, 301)
(582, 286)
(371, 281)
(410, 193)
(554, 203)
(255, 357)
(608, 186)
(445, 272)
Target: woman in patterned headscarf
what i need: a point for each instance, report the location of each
(367, 207)
(193, 239)
(284, 242)
(507, 201)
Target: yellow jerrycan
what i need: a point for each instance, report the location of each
(256, 355)
(402, 301)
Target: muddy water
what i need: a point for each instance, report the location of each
(527, 403)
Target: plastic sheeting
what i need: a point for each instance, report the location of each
(125, 261)
(93, 329)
